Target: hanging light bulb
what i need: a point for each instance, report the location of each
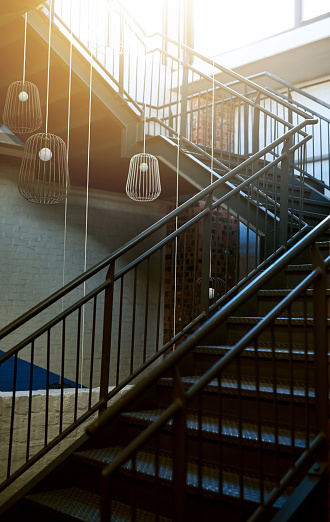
(143, 181)
(22, 110)
(44, 173)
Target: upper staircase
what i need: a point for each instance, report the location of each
(216, 318)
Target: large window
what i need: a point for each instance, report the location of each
(222, 26)
(314, 8)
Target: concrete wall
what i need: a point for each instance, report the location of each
(31, 268)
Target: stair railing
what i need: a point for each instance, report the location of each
(181, 95)
(133, 307)
(318, 153)
(312, 436)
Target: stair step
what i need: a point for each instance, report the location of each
(145, 467)
(78, 504)
(282, 352)
(248, 387)
(230, 429)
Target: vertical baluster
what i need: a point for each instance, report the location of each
(275, 401)
(220, 448)
(28, 436)
(91, 371)
(120, 322)
(106, 336)
(62, 375)
(240, 430)
(47, 387)
(159, 300)
(306, 371)
(183, 281)
(133, 320)
(292, 390)
(12, 416)
(259, 422)
(146, 310)
(79, 341)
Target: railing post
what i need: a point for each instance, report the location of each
(284, 189)
(106, 340)
(256, 122)
(179, 451)
(121, 53)
(184, 98)
(246, 109)
(320, 344)
(206, 256)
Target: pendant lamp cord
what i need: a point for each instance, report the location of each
(48, 65)
(67, 152)
(24, 54)
(87, 204)
(177, 181)
(212, 154)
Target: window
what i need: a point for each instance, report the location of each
(314, 8)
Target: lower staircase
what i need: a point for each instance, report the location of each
(212, 433)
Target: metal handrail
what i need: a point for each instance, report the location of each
(220, 316)
(143, 235)
(292, 88)
(221, 68)
(173, 360)
(235, 93)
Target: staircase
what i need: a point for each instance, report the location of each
(246, 422)
(228, 416)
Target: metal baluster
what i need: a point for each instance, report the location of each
(91, 372)
(159, 301)
(12, 416)
(30, 403)
(106, 337)
(79, 340)
(120, 321)
(133, 320)
(146, 312)
(47, 387)
(62, 375)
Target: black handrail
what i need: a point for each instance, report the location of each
(211, 323)
(143, 235)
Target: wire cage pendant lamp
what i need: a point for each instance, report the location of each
(143, 180)
(22, 110)
(44, 173)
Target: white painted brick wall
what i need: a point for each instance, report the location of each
(31, 267)
(38, 427)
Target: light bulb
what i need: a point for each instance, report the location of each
(144, 167)
(211, 293)
(23, 96)
(45, 154)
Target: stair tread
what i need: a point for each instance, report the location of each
(145, 466)
(84, 505)
(248, 387)
(266, 352)
(284, 292)
(229, 428)
(294, 321)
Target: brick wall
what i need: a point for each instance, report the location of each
(37, 427)
(224, 246)
(31, 262)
